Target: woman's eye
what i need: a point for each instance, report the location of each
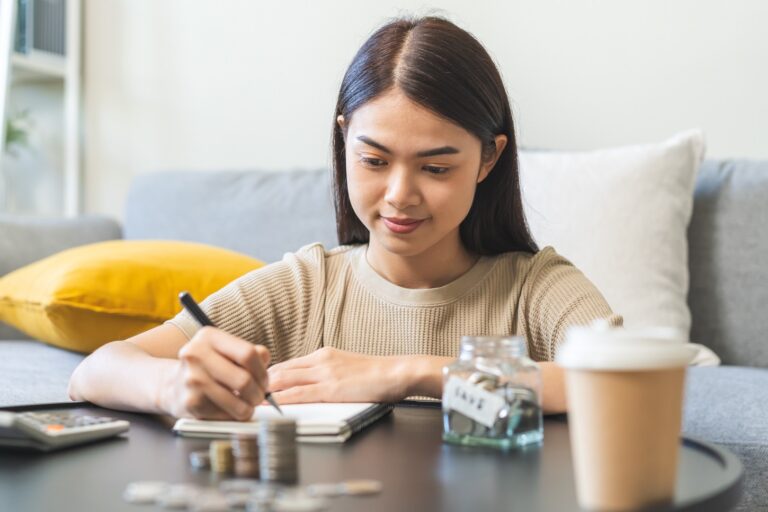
(372, 162)
(436, 170)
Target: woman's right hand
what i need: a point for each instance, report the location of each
(218, 377)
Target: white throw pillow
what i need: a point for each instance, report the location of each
(621, 216)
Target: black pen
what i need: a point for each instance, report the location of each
(190, 305)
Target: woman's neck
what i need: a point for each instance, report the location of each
(435, 267)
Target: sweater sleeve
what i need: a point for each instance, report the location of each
(272, 306)
(555, 296)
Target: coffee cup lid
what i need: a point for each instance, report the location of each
(601, 347)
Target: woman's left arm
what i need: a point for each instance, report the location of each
(332, 375)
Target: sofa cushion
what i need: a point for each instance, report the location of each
(84, 297)
(27, 238)
(264, 214)
(726, 405)
(34, 373)
(621, 216)
(728, 252)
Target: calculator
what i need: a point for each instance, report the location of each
(50, 430)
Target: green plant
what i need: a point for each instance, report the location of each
(16, 131)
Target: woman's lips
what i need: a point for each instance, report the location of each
(402, 226)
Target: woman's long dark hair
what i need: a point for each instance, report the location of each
(446, 70)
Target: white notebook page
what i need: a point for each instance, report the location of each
(330, 414)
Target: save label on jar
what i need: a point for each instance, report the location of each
(472, 401)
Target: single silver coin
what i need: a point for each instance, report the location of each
(239, 485)
(144, 491)
(460, 424)
(238, 499)
(210, 501)
(178, 496)
(325, 490)
(362, 487)
(480, 430)
(499, 428)
(299, 504)
(257, 505)
(200, 459)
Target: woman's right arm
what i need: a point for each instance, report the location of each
(215, 375)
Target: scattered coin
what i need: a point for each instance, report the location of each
(200, 459)
(239, 485)
(238, 499)
(361, 487)
(299, 504)
(178, 496)
(144, 492)
(325, 490)
(210, 501)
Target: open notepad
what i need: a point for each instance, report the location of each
(315, 423)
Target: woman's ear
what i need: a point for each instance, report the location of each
(342, 126)
(485, 168)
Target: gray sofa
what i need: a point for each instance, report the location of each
(266, 214)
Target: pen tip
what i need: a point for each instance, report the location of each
(274, 404)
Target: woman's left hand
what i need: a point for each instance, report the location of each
(332, 375)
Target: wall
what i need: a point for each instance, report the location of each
(228, 84)
(32, 176)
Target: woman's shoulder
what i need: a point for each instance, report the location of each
(527, 268)
(306, 268)
(317, 253)
(524, 259)
(314, 258)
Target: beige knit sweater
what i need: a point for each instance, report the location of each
(317, 297)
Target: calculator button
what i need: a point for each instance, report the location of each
(54, 428)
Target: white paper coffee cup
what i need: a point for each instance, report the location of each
(624, 389)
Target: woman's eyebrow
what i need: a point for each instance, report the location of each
(444, 150)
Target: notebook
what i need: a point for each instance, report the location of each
(316, 423)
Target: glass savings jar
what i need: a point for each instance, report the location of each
(492, 394)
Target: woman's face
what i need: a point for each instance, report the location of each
(411, 175)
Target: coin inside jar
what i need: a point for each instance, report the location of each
(487, 381)
(460, 424)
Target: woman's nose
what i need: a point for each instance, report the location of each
(402, 189)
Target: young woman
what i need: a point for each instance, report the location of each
(434, 245)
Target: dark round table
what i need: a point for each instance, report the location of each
(404, 450)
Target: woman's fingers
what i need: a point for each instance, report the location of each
(253, 358)
(233, 377)
(246, 354)
(225, 400)
(210, 411)
(302, 394)
(280, 379)
(224, 369)
(307, 361)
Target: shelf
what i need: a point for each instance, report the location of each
(64, 73)
(37, 64)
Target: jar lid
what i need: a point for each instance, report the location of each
(490, 346)
(600, 347)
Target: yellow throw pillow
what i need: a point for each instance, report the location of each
(81, 298)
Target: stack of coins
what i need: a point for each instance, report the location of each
(221, 456)
(245, 449)
(278, 454)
